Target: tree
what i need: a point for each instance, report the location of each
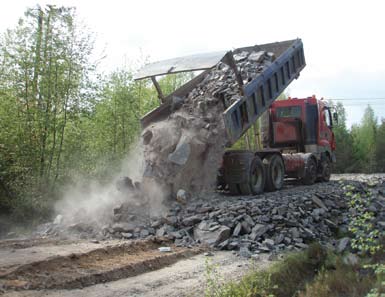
(344, 142)
(45, 68)
(380, 147)
(113, 125)
(364, 139)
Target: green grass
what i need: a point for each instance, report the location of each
(311, 273)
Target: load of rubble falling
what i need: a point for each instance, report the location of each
(181, 153)
(185, 150)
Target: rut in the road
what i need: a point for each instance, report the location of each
(98, 266)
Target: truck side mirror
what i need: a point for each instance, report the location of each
(335, 117)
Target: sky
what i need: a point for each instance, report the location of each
(343, 41)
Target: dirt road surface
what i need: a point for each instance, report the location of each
(184, 278)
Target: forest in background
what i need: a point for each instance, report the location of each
(61, 119)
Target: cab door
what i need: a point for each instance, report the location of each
(326, 136)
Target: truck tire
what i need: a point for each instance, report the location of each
(233, 189)
(275, 172)
(325, 170)
(244, 189)
(310, 174)
(257, 176)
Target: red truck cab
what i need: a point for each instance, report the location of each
(303, 128)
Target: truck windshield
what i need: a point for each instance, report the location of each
(289, 112)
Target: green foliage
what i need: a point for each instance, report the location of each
(362, 149)
(367, 239)
(365, 236)
(342, 280)
(255, 283)
(314, 272)
(282, 279)
(378, 289)
(380, 147)
(364, 142)
(344, 141)
(214, 281)
(45, 66)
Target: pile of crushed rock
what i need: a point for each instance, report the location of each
(286, 220)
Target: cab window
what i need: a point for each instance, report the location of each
(327, 117)
(289, 112)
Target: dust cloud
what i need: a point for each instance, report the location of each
(94, 203)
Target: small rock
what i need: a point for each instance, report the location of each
(80, 227)
(212, 237)
(294, 232)
(223, 245)
(182, 196)
(126, 235)
(249, 220)
(181, 154)
(123, 227)
(301, 245)
(257, 56)
(192, 220)
(350, 259)
(124, 184)
(233, 245)
(279, 238)
(237, 230)
(244, 252)
(147, 136)
(343, 244)
(269, 243)
(156, 224)
(177, 234)
(258, 230)
(246, 227)
(144, 233)
(319, 202)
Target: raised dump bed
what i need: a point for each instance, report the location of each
(257, 94)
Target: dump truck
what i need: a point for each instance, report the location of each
(300, 141)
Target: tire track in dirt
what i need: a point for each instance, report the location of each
(97, 266)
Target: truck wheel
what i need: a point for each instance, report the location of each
(310, 172)
(257, 176)
(233, 188)
(326, 171)
(275, 172)
(244, 189)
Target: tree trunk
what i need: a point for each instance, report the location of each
(46, 96)
(54, 124)
(64, 124)
(36, 69)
